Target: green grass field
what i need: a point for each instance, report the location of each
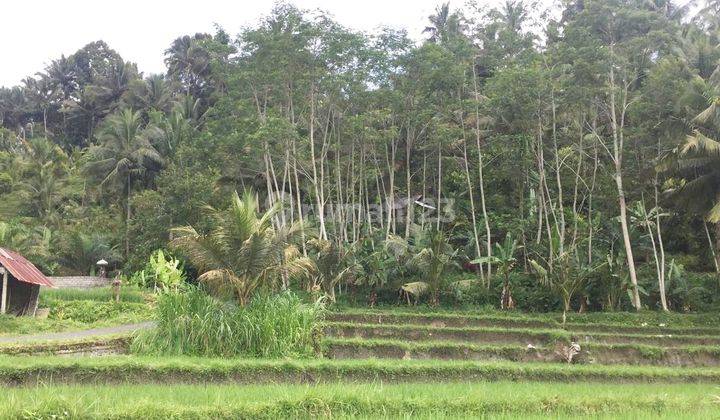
(490, 399)
(30, 370)
(389, 363)
(99, 294)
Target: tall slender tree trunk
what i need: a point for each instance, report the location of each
(127, 217)
(661, 245)
(558, 180)
(656, 255)
(596, 162)
(476, 236)
(409, 205)
(439, 186)
(618, 144)
(390, 156)
(481, 178)
(316, 181)
(298, 197)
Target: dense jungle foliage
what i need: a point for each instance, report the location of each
(515, 157)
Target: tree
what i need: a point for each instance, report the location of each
(81, 251)
(242, 251)
(650, 220)
(629, 38)
(124, 156)
(696, 162)
(334, 265)
(444, 24)
(433, 261)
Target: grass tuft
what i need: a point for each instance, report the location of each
(193, 323)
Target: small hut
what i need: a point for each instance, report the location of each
(21, 282)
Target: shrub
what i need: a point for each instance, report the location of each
(194, 323)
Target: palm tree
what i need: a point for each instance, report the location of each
(443, 24)
(701, 51)
(35, 243)
(512, 14)
(670, 9)
(696, 163)
(433, 262)
(709, 16)
(243, 251)
(80, 251)
(125, 155)
(333, 264)
(152, 93)
(189, 63)
(14, 236)
(62, 77)
(46, 169)
(41, 95)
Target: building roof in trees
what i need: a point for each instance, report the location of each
(22, 269)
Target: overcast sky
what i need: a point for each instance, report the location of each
(35, 32)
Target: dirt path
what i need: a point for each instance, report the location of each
(75, 335)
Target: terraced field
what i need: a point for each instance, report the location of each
(390, 364)
(398, 335)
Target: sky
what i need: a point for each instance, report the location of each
(35, 32)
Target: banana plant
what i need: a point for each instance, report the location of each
(504, 258)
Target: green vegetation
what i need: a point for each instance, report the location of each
(24, 370)
(501, 399)
(540, 187)
(93, 312)
(344, 348)
(572, 171)
(468, 333)
(99, 294)
(80, 309)
(116, 343)
(193, 323)
(647, 319)
(243, 252)
(77, 315)
(161, 273)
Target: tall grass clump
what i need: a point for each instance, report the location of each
(196, 324)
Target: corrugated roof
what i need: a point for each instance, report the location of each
(22, 269)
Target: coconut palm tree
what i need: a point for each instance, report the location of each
(512, 14)
(125, 154)
(243, 251)
(188, 62)
(80, 251)
(41, 96)
(443, 24)
(46, 182)
(696, 164)
(432, 262)
(151, 93)
(334, 265)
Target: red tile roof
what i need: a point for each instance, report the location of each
(22, 269)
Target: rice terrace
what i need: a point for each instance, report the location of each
(500, 209)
